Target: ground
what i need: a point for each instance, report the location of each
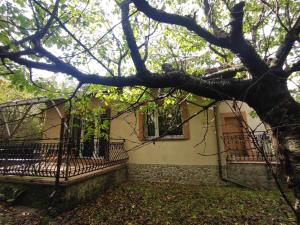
(162, 204)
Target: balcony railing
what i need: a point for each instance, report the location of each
(60, 159)
(243, 147)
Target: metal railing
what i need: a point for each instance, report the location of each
(60, 159)
(241, 147)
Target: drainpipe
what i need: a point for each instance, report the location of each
(216, 112)
(220, 169)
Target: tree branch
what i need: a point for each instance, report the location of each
(187, 22)
(53, 14)
(134, 50)
(62, 25)
(235, 42)
(287, 44)
(216, 51)
(225, 73)
(39, 34)
(276, 12)
(294, 68)
(237, 17)
(225, 89)
(209, 15)
(248, 55)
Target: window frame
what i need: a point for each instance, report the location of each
(142, 132)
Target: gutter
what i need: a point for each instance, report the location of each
(220, 168)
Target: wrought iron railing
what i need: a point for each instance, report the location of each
(245, 147)
(60, 159)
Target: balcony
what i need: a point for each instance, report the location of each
(59, 159)
(241, 147)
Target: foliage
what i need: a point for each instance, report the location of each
(89, 109)
(9, 92)
(31, 126)
(108, 53)
(178, 46)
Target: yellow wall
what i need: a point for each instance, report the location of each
(180, 152)
(254, 123)
(52, 122)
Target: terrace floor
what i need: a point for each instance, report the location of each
(48, 168)
(62, 180)
(152, 203)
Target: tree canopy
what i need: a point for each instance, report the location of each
(89, 41)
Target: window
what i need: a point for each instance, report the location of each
(166, 123)
(93, 133)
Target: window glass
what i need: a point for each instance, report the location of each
(150, 122)
(163, 121)
(168, 120)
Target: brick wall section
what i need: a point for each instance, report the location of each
(182, 174)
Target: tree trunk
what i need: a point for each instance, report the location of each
(289, 149)
(276, 107)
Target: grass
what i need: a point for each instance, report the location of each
(173, 204)
(139, 203)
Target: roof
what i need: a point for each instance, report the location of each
(30, 101)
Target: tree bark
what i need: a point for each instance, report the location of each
(275, 106)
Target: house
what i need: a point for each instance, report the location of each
(184, 144)
(211, 147)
